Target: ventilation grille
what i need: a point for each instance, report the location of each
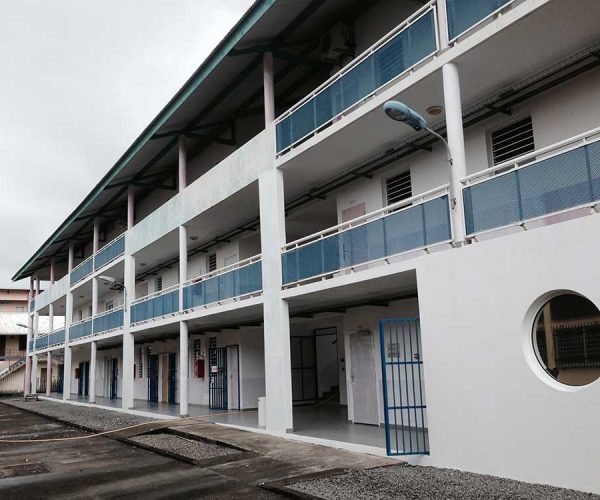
(512, 140)
(398, 188)
(159, 283)
(212, 262)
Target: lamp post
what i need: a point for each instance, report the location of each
(400, 112)
(119, 285)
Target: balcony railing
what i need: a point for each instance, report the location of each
(559, 178)
(400, 50)
(31, 345)
(82, 270)
(416, 223)
(32, 305)
(55, 338)
(109, 252)
(156, 305)
(464, 15)
(80, 329)
(239, 280)
(109, 320)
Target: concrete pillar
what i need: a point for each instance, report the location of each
(34, 358)
(183, 368)
(49, 374)
(67, 350)
(130, 206)
(442, 15)
(183, 264)
(456, 143)
(96, 236)
(269, 87)
(278, 377)
(92, 381)
(127, 375)
(71, 260)
(182, 170)
(27, 381)
(52, 270)
(95, 284)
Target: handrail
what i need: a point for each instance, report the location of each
(517, 163)
(80, 322)
(356, 61)
(223, 270)
(156, 294)
(478, 23)
(110, 243)
(364, 219)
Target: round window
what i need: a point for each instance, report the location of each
(566, 339)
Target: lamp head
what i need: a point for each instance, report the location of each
(110, 279)
(402, 113)
(22, 325)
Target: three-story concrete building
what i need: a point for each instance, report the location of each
(274, 234)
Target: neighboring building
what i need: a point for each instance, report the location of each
(328, 256)
(13, 341)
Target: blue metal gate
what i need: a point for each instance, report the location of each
(403, 388)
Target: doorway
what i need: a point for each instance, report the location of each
(363, 378)
(59, 379)
(172, 378)
(112, 377)
(217, 378)
(233, 377)
(83, 380)
(153, 378)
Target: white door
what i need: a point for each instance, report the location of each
(363, 379)
(233, 377)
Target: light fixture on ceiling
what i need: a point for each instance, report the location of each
(193, 238)
(143, 264)
(434, 110)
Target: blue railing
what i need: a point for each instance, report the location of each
(244, 278)
(31, 345)
(154, 306)
(109, 320)
(465, 14)
(82, 270)
(41, 342)
(564, 181)
(402, 227)
(110, 252)
(412, 42)
(56, 337)
(81, 329)
(32, 305)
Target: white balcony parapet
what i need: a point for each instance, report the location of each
(559, 178)
(417, 223)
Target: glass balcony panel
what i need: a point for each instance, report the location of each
(80, 330)
(83, 270)
(564, 181)
(227, 285)
(109, 253)
(109, 321)
(249, 278)
(153, 307)
(211, 290)
(407, 229)
(463, 14)
(405, 49)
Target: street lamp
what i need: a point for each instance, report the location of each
(118, 285)
(22, 325)
(400, 112)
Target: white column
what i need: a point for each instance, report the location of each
(92, 381)
(37, 285)
(52, 270)
(27, 381)
(96, 236)
(49, 374)
(34, 358)
(67, 350)
(94, 297)
(130, 206)
(182, 170)
(278, 377)
(456, 142)
(128, 341)
(269, 87)
(183, 368)
(442, 15)
(71, 256)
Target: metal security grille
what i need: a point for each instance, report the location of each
(217, 378)
(398, 188)
(406, 430)
(512, 140)
(577, 345)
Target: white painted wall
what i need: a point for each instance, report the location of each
(491, 407)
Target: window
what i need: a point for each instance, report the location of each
(512, 140)
(212, 262)
(158, 284)
(108, 305)
(20, 309)
(566, 339)
(22, 342)
(398, 187)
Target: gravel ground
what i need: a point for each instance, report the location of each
(409, 482)
(93, 418)
(196, 450)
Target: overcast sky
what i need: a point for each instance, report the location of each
(79, 81)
